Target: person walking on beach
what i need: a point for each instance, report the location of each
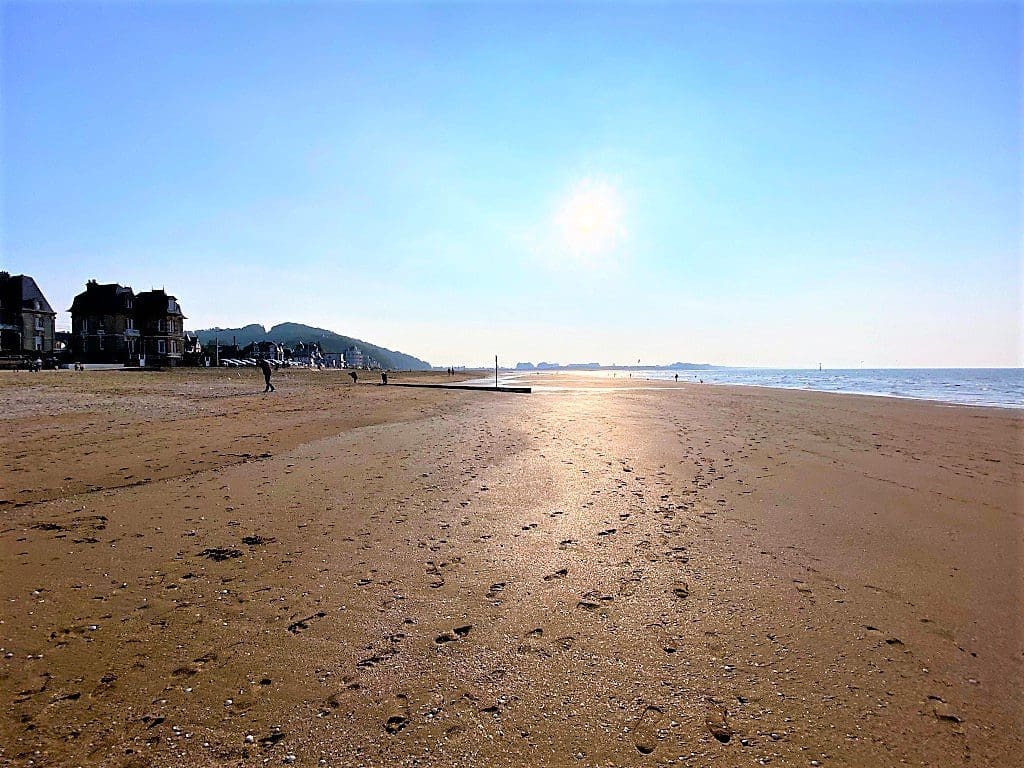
(265, 367)
(353, 375)
(677, 378)
(383, 377)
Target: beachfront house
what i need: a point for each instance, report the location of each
(308, 354)
(354, 357)
(26, 318)
(193, 354)
(159, 320)
(271, 350)
(111, 324)
(103, 324)
(334, 360)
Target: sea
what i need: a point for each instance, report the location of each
(1000, 387)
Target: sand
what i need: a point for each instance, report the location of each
(193, 573)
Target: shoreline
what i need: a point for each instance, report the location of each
(514, 376)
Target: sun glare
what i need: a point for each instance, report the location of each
(590, 220)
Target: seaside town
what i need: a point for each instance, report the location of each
(112, 326)
(511, 385)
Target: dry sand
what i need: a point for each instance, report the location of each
(193, 573)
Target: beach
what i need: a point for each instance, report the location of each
(615, 573)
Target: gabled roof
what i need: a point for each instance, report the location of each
(21, 291)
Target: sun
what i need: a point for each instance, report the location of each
(590, 220)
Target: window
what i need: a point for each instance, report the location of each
(161, 346)
(39, 342)
(99, 342)
(174, 347)
(130, 325)
(160, 326)
(39, 323)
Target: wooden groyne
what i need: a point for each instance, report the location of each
(518, 390)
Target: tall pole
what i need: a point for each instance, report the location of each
(495, 371)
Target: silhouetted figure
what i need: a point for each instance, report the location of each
(265, 367)
(383, 377)
(677, 378)
(354, 376)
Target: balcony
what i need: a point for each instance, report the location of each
(131, 333)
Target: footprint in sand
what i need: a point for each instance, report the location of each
(802, 588)
(717, 722)
(459, 633)
(593, 600)
(645, 732)
(340, 698)
(497, 587)
(302, 625)
(397, 712)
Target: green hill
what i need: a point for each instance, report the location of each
(291, 334)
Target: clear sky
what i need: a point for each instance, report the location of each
(751, 184)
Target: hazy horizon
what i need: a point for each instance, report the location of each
(764, 185)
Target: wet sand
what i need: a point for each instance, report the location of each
(193, 573)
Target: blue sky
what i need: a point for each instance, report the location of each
(752, 184)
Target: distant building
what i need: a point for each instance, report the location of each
(111, 324)
(271, 350)
(354, 358)
(307, 354)
(62, 342)
(193, 354)
(26, 318)
(217, 352)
